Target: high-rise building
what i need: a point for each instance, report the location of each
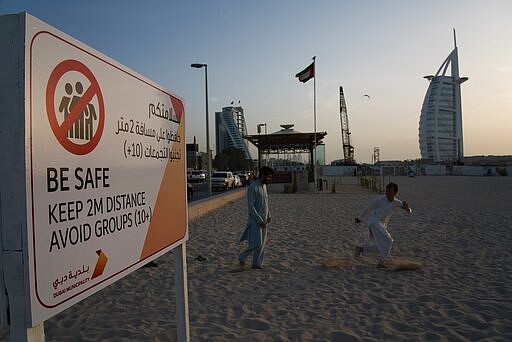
(440, 128)
(192, 155)
(230, 130)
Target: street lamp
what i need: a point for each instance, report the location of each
(209, 157)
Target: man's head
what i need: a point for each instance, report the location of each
(265, 174)
(391, 190)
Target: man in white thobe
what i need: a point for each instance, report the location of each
(377, 238)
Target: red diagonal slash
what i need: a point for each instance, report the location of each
(76, 111)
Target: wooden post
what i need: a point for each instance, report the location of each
(15, 284)
(180, 280)
(13, 210)
(36, 334)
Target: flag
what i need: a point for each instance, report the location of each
(306, 74)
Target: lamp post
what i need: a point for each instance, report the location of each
(209, 157)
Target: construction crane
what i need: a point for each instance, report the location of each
(348, 149)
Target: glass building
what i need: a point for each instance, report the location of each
(440, 128)
(230, 130)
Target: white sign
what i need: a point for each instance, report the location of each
(105, 170)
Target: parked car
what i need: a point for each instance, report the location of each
(196, 176)
(237, 182)
(222, 180)
(244, 178)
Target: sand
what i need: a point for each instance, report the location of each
(460, 232)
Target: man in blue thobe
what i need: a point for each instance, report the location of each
(258, 219)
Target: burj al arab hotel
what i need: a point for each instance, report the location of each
(440, 129)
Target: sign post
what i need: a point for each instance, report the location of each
(182, 322)
(95, 164)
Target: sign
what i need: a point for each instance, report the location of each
(106, 190)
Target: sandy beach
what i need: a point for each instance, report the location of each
(460, 230)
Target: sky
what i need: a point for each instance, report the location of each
(253, 50)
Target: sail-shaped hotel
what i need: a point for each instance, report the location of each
(440, 129)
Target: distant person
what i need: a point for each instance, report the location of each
(377, 239)
(258, 219)
(190, 191)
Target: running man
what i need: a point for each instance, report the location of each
(377, 238)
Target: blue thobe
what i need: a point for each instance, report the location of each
(258, 213)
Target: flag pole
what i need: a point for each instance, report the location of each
(314, 125)
(304, 76)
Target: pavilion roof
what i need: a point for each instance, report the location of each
(290, 141)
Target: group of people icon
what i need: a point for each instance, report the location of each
(83, 127)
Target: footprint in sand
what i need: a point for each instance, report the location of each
(342, 336)
(255, 324)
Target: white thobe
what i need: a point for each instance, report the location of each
(376, 217)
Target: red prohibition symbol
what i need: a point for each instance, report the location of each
(73, 123)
